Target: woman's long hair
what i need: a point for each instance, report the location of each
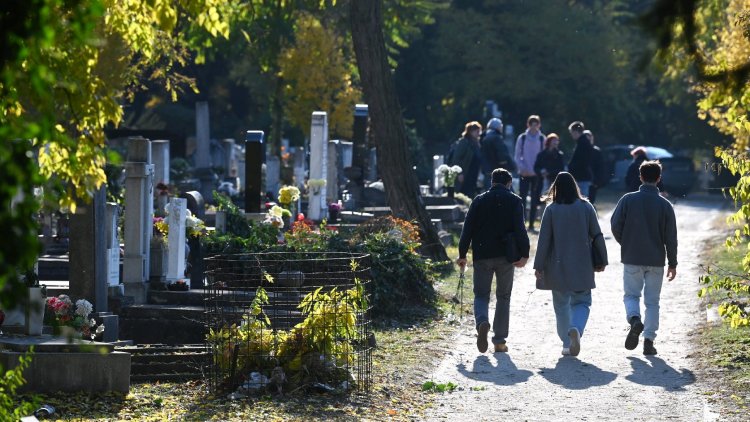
(564, 190)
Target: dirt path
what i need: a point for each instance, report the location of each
(606, 382)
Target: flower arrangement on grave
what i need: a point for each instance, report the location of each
(288, 195)
(275, 216)
(334, 209)
(314, 185)
(61, 312)
(194, 226)
(449, 174)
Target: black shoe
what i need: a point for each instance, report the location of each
(648, 347)
(482, 331)
(636, 328)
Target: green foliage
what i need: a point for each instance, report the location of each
(11, 408)
(733, 286)
(400, 275)
(65, 69)
(313, 350)
(17, 205)
(435, 387)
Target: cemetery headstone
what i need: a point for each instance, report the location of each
(332, 177)
(88, 251)
(437, 181)
(138, 218)
(317, 208)
(113, 248)
(253, 170)
(299, 166)
(160, 155)
(202, 155)
(356, 171)
(273, 174)
(176, 239)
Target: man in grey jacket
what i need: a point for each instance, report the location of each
(644, 225)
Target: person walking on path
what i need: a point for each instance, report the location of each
(580, 165)
(550, 162)
(495, 154)
(528, 146)
(644, 225)
(597, 168)
(467, 156)
(564, 262)
(494, 228)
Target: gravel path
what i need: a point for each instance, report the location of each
(606, 382)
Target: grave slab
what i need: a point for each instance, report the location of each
(61, 366)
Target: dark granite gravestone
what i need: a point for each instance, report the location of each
(254, 158)
(88, 252)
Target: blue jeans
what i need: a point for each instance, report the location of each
(637, 278)
(484, 269)
(571, 311)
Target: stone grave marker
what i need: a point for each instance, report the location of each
(113, 249)
(332, 174)
(437, 181)
(202, 155)
(138, 218)
(88, 252)
(253, 170)
(176, 238)
(317, 208)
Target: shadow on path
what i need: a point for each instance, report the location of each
(502, 372)
(654, 371)
(574, 374)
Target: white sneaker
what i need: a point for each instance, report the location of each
(566, 351)
(575, 341)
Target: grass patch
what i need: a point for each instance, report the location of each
(725, 351)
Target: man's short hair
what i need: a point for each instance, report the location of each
(577, 126)
(650, 171)
(501, 176)
(534, 118)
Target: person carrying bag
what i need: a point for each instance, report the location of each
(570, 242)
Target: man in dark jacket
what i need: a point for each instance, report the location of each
(494, 228)
(580, 165)
(644, 225)
(598, 168)
(495, 154)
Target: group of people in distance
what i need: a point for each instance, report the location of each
(537, 158)
(570, 247)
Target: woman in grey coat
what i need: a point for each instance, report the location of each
(563, 261)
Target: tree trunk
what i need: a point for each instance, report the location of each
(388, 130)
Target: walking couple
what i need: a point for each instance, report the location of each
(570, 250)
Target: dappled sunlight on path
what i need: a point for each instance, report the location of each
(606, 381)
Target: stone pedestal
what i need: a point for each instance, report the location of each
(88, 251)
(138, 218)
(61, 366)
(253, 170)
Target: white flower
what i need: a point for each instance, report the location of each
(92, 323)
(316, 183)
(456, 169)
(83, 308)
(191, 221)
(100, 329)
(443, 168)
(276, 211)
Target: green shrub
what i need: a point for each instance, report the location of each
(11, 409)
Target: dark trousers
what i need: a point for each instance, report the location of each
(530, 185)
(484, 269)
(592, 193)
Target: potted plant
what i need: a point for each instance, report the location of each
(449, 175)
